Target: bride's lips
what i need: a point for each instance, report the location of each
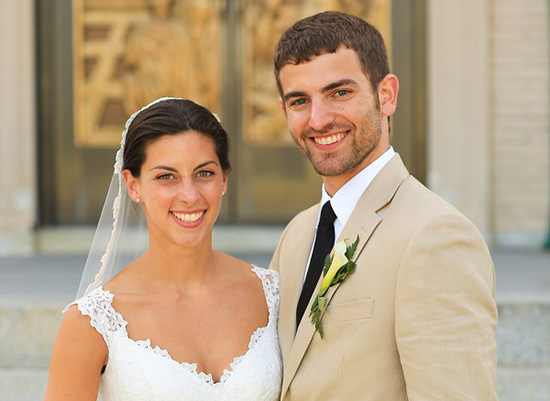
(189, 218)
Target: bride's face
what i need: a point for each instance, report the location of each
(180, 186)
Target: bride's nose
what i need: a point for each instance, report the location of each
(188, 192)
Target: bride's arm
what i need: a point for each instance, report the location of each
(78, 356)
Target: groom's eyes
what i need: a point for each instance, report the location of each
(298, 102)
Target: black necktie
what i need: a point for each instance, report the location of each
(324, 241)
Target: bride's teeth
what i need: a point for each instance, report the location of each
(329, 139)
(188, 217)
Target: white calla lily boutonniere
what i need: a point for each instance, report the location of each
(338, 265)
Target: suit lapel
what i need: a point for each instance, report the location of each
(306, 330)
(293, 274)
(362, 222)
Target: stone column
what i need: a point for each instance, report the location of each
(521, 121)
(17, 127)
(458, 132)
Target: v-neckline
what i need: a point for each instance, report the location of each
(191, 367)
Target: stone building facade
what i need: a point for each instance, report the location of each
(488, 118)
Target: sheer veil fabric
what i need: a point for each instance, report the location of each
(121, 235)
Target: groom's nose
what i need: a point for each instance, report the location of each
(321, 114)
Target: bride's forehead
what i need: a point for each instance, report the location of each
(181, 141)
(189, 144)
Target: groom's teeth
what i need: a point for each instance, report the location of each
(329, 139)
(188, 217)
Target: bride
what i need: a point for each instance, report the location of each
(182, 321)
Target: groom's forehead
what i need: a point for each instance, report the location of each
(322, 71)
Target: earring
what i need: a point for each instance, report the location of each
(223, 192)
(138, 200)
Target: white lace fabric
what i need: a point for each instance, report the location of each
(137, 372)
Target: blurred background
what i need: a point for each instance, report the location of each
(473, 124)
(472, 120)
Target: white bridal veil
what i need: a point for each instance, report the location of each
(121, 235)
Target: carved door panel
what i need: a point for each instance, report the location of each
(101, 60)
(274, 180)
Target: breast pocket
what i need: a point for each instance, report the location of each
(356, 310)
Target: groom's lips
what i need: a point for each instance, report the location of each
(329, 140)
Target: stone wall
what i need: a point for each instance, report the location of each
(520, 116)
(458, 132)
(488, 74)
(489, 114)
(17, 126)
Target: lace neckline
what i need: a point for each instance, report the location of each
(191, 367)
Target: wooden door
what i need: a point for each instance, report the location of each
(100, 60)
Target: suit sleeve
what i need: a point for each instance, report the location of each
(274, 264)
(445, 314)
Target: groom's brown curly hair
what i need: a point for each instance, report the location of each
(325, 33)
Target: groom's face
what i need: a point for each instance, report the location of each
(333, 113)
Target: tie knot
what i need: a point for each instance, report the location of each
(327, 215)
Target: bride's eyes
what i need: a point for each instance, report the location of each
(205, 174)
(202, 174)
(165, 177)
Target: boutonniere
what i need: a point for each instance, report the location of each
(338, 265)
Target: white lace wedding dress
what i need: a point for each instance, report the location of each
(138, 372)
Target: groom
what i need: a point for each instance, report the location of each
(416, 319)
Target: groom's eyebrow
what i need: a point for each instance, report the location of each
(327, 88)
(290, 95)
(337, 84)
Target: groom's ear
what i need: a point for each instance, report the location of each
(283, 108)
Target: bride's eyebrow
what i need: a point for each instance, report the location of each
(205, 164)
(161, 167)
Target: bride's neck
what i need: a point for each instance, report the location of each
(177, 266)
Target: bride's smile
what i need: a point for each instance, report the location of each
(181, 186)
(189, 217)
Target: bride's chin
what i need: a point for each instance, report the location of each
(194, 239)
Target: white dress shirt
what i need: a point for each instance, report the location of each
(344, 201)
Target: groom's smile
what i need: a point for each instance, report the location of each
(330, 139)
(333, 113)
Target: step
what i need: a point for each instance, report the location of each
(27, 334)
(523, 348)
(523, 333)
(23, 384)
(523, 384)
(28, 331)
(33, 292)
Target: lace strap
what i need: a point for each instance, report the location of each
(103, 317)
(271, 283)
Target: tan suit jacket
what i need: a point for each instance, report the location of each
(415, 321)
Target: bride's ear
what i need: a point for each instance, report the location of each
(224, 183)
(131, 184)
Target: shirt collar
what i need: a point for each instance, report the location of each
(344, 201)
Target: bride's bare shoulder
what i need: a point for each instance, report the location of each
(77, 336)
(126, 281)
(78, 324)
(79, 352)
(229, 262)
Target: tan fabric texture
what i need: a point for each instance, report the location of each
(415, 321)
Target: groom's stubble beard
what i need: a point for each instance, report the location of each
(365, 139)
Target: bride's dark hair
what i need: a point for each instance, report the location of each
(170, 117)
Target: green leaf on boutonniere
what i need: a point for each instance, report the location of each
(338, 265)
(322, 303)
